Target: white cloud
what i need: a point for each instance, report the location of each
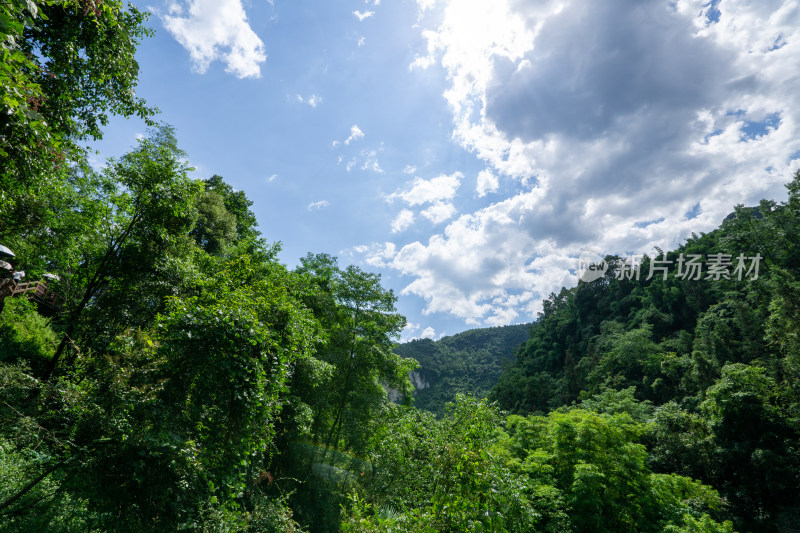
(621, 124)
(379, 255)
(318, 205)
(361, 41)
(411, 329)
(361, 16)
(428, 333)
(425, 5)
(216, 30)
(355, 134)
(312, 100)
(409, 169)
(371, 161)
(439, 212)
(422, 62)
(422, 191)
(402, 221)
(272, 178)
(408, 331)
(487, 183)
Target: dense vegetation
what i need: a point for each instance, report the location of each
(193, 382)
(467, 363)
(710, 365)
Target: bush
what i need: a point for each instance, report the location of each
(25, 334)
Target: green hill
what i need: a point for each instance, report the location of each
(470, 362)
(710, 360)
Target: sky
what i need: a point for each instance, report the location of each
(469, 151)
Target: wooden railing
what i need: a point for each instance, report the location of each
(40, 293)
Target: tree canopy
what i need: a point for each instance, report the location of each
(189, 380)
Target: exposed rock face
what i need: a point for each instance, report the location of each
(394, 395)
(418, 381)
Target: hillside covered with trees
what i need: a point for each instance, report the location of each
(709, 362)
(469, 363)
(189, 380)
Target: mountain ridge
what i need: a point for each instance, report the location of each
(468, 362)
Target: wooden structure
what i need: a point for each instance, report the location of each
(37, 291)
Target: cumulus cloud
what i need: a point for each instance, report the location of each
(423, 191)
(403, 220)
(379, 255)
(439, 212)
(415, 331)
(212, 30)
(314, 206)
(487, 183)
(628, 126)
(428, 333)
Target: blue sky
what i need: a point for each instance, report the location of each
(468, 151)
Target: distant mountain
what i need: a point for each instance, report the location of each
(470, 362)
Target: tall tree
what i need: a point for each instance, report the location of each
(148, 210)
(362, 325)
(65, 66)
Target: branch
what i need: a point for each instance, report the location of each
(30, 485)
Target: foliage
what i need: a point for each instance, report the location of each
(24, 334)
(215, 226)
(64, 66)
(339, 393)
(143, 210)
(193, 382)
(570, 471)
(712, 365)
(469, 363)
(440, 475)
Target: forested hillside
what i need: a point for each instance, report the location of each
(182, 378)
(469, 363)
(709, 360)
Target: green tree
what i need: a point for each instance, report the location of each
(146, 205)
(629, 359)
(595, 464)
(237, 204)
(24, 334)
(440, 475)
(66, 65)
(228, 355)
(336, 396)
(215, 227)
(755, 446)
(361, 324)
